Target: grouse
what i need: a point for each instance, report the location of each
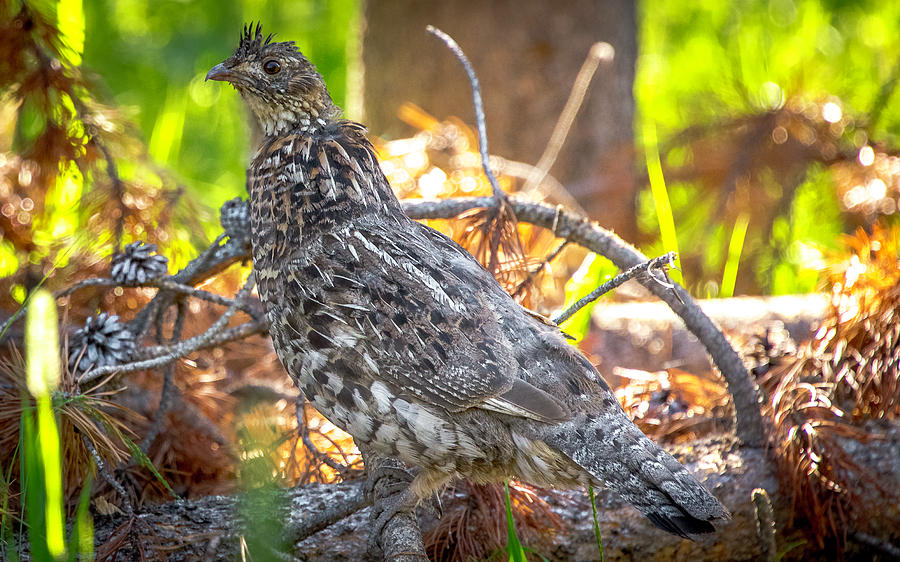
(400, 337)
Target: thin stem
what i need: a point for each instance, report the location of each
(544, 263)
(600, 52)
(476, 102)
(664, 260)
(101, 468)
(181, 349)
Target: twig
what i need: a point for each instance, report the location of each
(164, 283)
(881, 100)
(213, 333)
(544, 263)
(600, 52)
(94, 282)
(215, 258)
(578, 230)
(874, 542)
(168, 387)
(479, 107)
(665, 260)
(168, 284)
(119, 188)
(319, 456)
(101, 468)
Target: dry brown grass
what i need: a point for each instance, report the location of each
(847, 374)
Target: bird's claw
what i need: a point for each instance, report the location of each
(396, 497)
(400, 478)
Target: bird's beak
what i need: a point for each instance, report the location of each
(219, 72)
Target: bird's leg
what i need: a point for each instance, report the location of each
(394, 526)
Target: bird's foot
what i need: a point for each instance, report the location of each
(393, 499)
(398, 480)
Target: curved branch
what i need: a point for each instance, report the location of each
(744, 392)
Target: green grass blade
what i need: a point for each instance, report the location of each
(42, 373)
(7, 541)
(596, 523)
(145, 462)
(735, 247)
(81, 541)
(661, 197)
(32, 479)
(513, 545)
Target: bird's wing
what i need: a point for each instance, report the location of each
(430, 320)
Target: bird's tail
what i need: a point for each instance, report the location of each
(619, 457)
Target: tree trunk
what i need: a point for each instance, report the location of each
(527, 55)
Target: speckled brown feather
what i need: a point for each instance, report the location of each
(400, 337)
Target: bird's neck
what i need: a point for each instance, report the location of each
(306, 115)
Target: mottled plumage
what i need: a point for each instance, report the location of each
(400, 337)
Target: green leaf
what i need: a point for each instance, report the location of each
(145, 461)
(596, 523)
(513, 545)
(594, 270)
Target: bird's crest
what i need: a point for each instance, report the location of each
(252, 39)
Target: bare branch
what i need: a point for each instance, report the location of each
(665, 260)
(212, 334)
(168, 388)
(477, 103)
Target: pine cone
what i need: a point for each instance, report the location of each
(235, 218)
(138, 264)
(101, 342)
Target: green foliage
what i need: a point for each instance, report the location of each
(593, 272)
(798, 240)
(704, 63)
(154, 56)
(702, 60)
(596, 523)
(41, 458)
(513, 546)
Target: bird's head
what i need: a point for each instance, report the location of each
(283, 90)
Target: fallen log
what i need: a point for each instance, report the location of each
(329, 521)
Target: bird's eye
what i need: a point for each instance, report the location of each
(272, 67)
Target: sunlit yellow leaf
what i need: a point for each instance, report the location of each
(70, 17)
